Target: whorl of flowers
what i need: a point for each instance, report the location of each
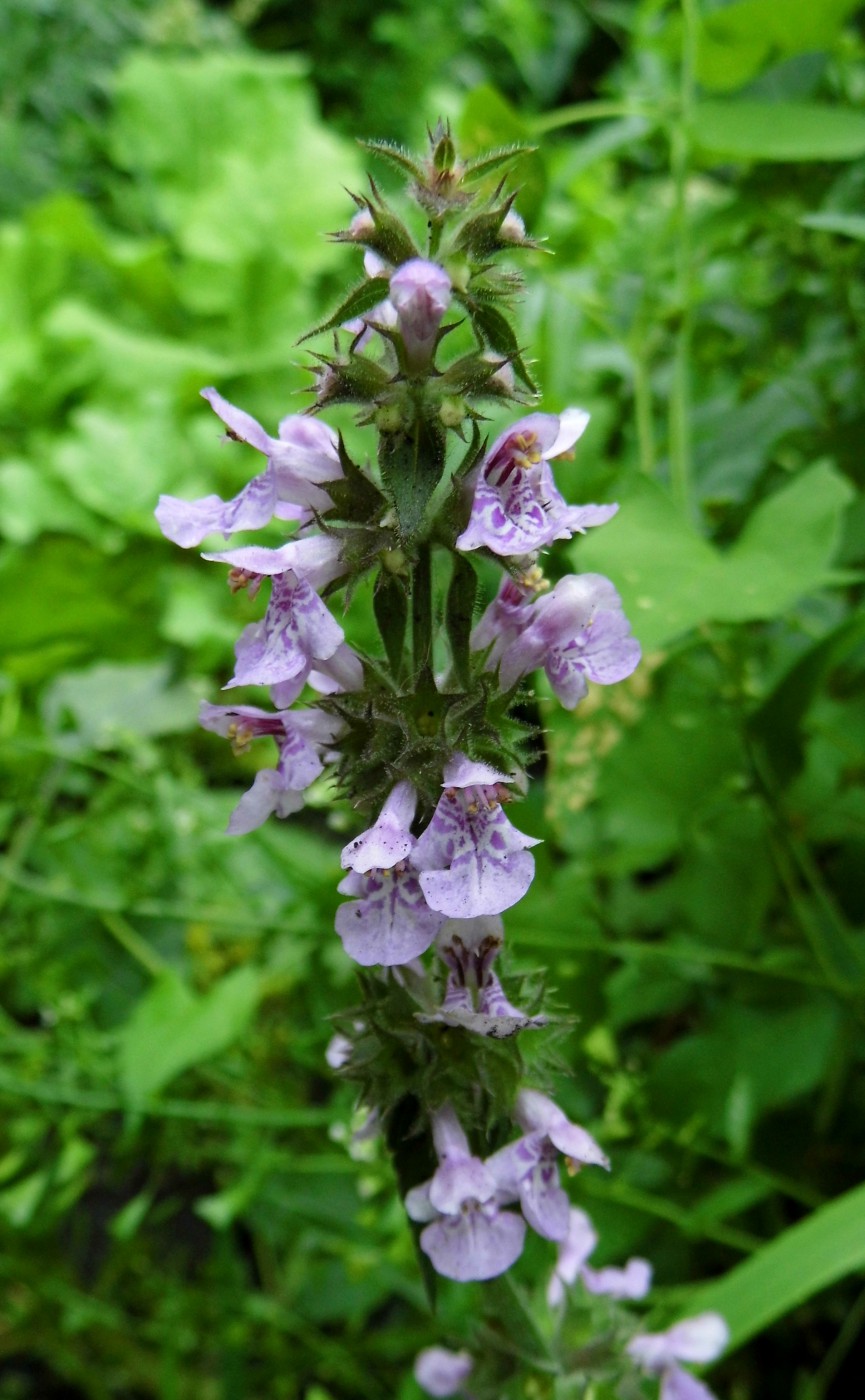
(423, 736)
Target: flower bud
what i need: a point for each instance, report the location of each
(421, 292)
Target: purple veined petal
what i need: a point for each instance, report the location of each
(391, 923)
(315, 558)
(699, 1339)
(536, 1112)
(462, 772)
(536, 433)
(473, 860)
(417, 1204)
(456, 1182)
(299, 762)
(504, 1016)
(513, 1162)
(471, 934)
(441, 1372)
(676, 1384)
(187, 523)
(479, 1244)
(510, 519)
(544, 1204)
(241, 723)
(267, 795)
(517, 508)
(632, 1282)
(303, 456)
(456, 1002)
(389, 840)
(573, 604)
(503, 621)
(296, 629)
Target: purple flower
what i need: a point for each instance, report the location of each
(441, 1372)
(697, 1340)
(339, 1050)
(388, 922)
(633, 1281)
(528, 1168)
(304, 741)
(470, 1237)
(474, 999)
(537, 1113)
(299, 462)
(576, 631)
(296, 631)
(472, 860)
(390, 840)
(315, 558)
(420, 293)
(516, 507)
(506, 618)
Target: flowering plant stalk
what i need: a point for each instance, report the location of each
(426, 738)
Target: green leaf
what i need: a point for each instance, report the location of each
(411, 465)
(787, 545)
(173, 1028)
(808, 1257)
(847, 225)
(232, 157)
(110, 706)
(778, 131)
(776, 724)
(390, 605)
(361, 298)
(736, 41)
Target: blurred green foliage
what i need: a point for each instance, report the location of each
(179, 1211)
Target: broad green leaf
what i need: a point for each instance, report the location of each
(110, 705)
(31, 505)
(806, 1258)
(751, 1061)
(671, 579)
(232, 156)
(787, 545)
(735, 41)
(776, 724)
(778, 131)
(173, 1028)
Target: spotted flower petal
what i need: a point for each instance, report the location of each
(389, 840)
(473, 861)
(296, 630)
(517, 508)
(388, 922)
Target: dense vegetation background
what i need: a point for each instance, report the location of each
(180, 1214)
